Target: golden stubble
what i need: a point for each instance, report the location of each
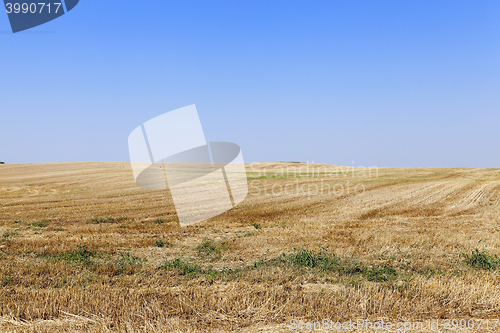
(416, 219)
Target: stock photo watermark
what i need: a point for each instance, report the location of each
(208, 179)
(27, 14)
(334, 181)
(170, 151)
(363, 324)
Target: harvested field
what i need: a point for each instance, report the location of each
(83, 249)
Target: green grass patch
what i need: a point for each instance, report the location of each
(325, 262)
(9, 233)
(315, 262)
(256, 225)
(161, 243)
(7, 279)
(106, 220)
(40, 224)
(127, 263)
(379, 274)
(480, 259)
(429, 271)
(185, 268)
(192, 270)
(82, 254)
(210, 248)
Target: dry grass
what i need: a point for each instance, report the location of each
(83, 249)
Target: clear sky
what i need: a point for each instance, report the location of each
(380, 83)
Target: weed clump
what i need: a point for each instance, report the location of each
(379, 274)
(40, 224)
(192, 270)
(82, 254)
(161, 243)
(7, 279)
(185, 268)
(127, 263)
(256, 225)
(106, 220)
(319, 262)
(9, 233)
(344, 266)
(210, 248)
(481, 260)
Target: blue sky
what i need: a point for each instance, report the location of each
(380, 83)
